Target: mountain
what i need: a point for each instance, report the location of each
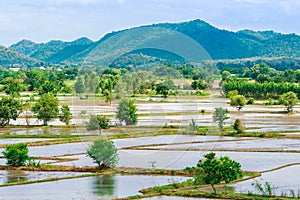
(11, 58)
(54, 51)
(219, 44)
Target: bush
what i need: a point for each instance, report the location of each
(238, 126)
(16, 154)
(97, 122)
(250, 101)
(104, 153)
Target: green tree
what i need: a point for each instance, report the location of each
(238, 100)
(289, 100)
(65, 115)
(219, 116)
(13, 87)
(79, 86)
(16, 154)
(10, 108)
(46, 108)
(104, 153)
(126, 111)
(238, 126)
(232, 93)
(226, 75)
(26, 107)
(97, 122)
(47, 87)
(215, 170)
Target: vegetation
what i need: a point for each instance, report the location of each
(219, 116)
(126, 111)
(65, 115)
(104, 153)
(97, 122)
(46, 108)
(238, 100)
(216, 170)
(238, 126)
(16, 154)
(289, 100)
(10, 108)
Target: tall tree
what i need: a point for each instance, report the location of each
(10, 108)
(126, 111)
(219, 116)
(289, 100)
(65, 115)
(214, 170)
(46, 108)
(13, 87)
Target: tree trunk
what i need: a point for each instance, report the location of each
(214, 189)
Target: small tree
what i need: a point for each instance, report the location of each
(16, 154)
(289, 100)
(219, 116)
(10, 108)
(238, 126)
(126, 111)
(97, 123)
(104, 153)
(215, 170)
(46, 108)
(238, 100)
(65, 115)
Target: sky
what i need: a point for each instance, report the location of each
(45, 20)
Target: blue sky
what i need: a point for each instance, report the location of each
(44, 20)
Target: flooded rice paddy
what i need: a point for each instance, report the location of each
(162, 152)
(97, 187)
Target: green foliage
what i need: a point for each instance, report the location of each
(219, 116)
(250, 101)
(165, 88)
(232, 93)
(289, 100)
(10, 108)
(79, 85)
(216, 170)
(126, 111)
(260, 90)
(46, 108)
(104, 153)
(97, 122)
(238, 100)
(107, 84)
(265, 189)
(13, 87)
(199, 84)
(238, 126)
(65, 115)
(225, 75)
(16, 154)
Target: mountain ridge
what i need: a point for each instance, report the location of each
(219, 43)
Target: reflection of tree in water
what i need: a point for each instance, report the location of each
(15, 176)
(104, 185)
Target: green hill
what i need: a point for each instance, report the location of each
(54, 51)
(11, 58)
(219, 44)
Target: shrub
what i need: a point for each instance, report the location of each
(16, 154)
(104, 153)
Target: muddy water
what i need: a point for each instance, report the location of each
(283, 180)
(100, 187)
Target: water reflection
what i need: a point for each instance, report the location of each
(104, 185)
(16, 176)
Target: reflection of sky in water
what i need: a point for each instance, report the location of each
(283, 180)
(87, 188)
